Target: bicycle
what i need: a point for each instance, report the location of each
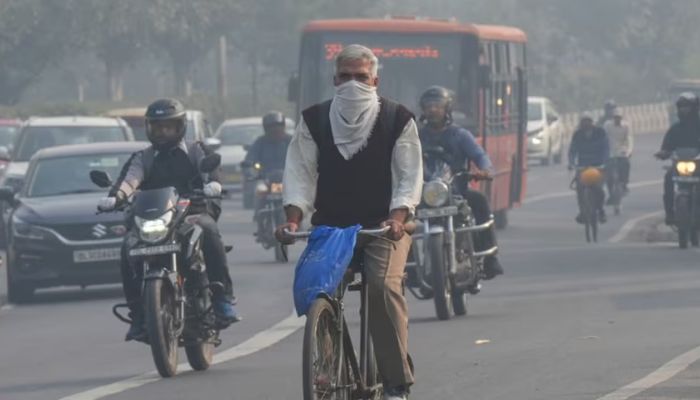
(330, 366)
(588, 178)
(616, 187)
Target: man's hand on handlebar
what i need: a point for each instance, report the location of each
(396, 229)
(281, 232)
(481, 175)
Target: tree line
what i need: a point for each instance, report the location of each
(580, 52)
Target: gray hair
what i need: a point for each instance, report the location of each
(357, 52)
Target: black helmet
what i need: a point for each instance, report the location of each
(166, 110)
(273, 118)
(438, 94)
(688, 99)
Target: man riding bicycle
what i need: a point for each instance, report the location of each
(621, 143)
(589, 148)
(356, 159)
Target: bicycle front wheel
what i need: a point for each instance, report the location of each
(325, 372)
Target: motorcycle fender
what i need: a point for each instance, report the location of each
(156, 273)
(194, 239)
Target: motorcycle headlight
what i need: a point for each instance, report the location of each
(261, 188)
(685, 168)
(154, 230)
(25, 230)
(435, 193)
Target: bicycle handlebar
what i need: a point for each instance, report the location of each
(306, 234)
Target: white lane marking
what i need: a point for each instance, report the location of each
(666, 372)
(568, 193)
(631, 224)
(257, 342)
(7, 307)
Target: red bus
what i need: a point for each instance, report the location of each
(484, 66)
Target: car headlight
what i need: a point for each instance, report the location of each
(154, 230)
(435, 193)
(685, 168)
(536, 140)
(25, 230)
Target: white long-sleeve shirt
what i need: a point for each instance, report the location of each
(301, 170)
(621, 141)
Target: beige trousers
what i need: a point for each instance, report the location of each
(385, 262)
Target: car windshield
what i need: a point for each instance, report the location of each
(71, 175)
(138, 126)
(36, 138)
(534, 111)
(240, 135)
(7, 135)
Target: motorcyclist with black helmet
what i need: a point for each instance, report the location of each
(270, 150)
(171, 161)
(684, 133)
(438, 129)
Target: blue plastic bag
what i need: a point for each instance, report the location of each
(322, 265)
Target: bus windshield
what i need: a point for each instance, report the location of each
(408, 64)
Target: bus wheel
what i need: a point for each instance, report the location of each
(501, 219)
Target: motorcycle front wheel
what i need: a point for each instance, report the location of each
(160, 321)
(441, 282)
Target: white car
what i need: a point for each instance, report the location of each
(236, 136)
(546, 139)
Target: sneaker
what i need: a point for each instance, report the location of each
(397, 393)
(137, 330)
(602, 218)
(224, 311)
(492, 268)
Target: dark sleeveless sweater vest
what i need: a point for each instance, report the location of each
(358, 190)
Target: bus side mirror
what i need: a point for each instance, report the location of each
(293, 88)
(485, 76)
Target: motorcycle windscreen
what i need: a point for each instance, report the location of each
(435, 168)
(151, 204)
(686, 153)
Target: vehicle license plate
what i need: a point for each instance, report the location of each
(155, 250)
(686, 179)
(436, 212)
(84, 256)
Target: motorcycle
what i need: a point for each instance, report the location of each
(443, 263)
(269, 209)
(686, 182)
(167, 242)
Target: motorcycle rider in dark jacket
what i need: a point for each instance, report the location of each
(684, 133)
(170, 161)
(270, 150)
(439, 130)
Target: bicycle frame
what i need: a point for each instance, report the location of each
(346, 350)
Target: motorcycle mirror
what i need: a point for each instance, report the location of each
(100, 178)
(210, 162)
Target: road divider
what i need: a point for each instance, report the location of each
(632, 225)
